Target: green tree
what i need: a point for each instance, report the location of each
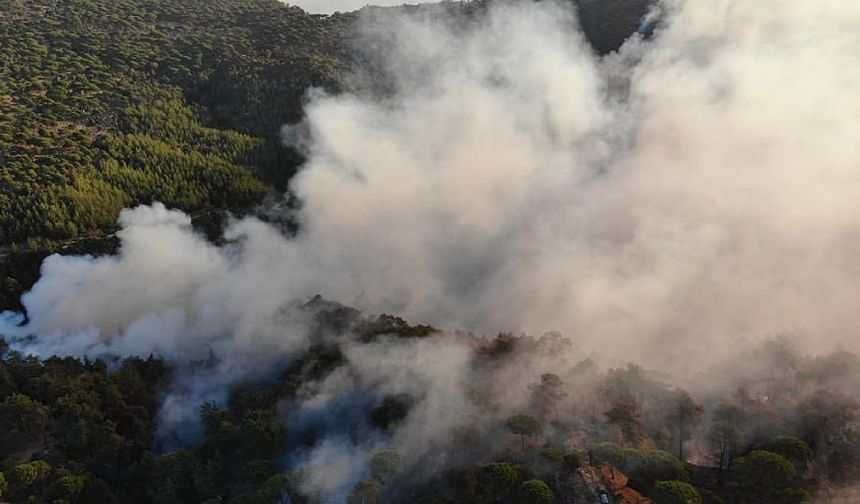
(624, 415)
(644, 467)
(675, 492)
(523, 425)
(26, 475)
(684, 415)
(792, 448)
(501, 475)
(69, 487)
(22, 416)
(764, 471)
(536, 492)
(726, 438)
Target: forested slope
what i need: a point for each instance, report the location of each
(107, 104)
(87, 431)
(104, 104)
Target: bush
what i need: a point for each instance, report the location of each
(793, 449)
(675, 492)
(501, 474)
(536, 492)
(764, 471)
(25, 475)
(571, 462)
(553, 455)
(643, 467)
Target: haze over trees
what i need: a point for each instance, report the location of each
(86, 431)
(106, 104)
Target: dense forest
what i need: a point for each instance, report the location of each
(107, 104)
(777, 429)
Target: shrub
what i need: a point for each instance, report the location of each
(536, 492)
(675, 492)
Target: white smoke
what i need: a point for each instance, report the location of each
(434, 370)
(661, 205)
(505, 186)
(332, 6)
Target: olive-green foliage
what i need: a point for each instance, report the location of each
(69, 487)
(792, 448)
(764, 471)
(523, 425)
(675, 492)
(536, 492)
(553, 455)
(80, 419)
(104, 104)
(501, 475)
(644, 467)
(22, 416)
(25, 475)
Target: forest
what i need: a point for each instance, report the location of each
(108, 104)
(778, 428)
(105, 105)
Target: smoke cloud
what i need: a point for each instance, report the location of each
(693, 192)
(332, 6)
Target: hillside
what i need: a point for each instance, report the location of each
(100, 431)
(105, 104)
(108, 104)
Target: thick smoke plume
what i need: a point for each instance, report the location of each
(664, 204)
(693, 190)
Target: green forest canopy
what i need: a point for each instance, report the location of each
(104, 104)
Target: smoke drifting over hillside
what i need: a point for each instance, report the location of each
(694, 191)
(331, 6)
